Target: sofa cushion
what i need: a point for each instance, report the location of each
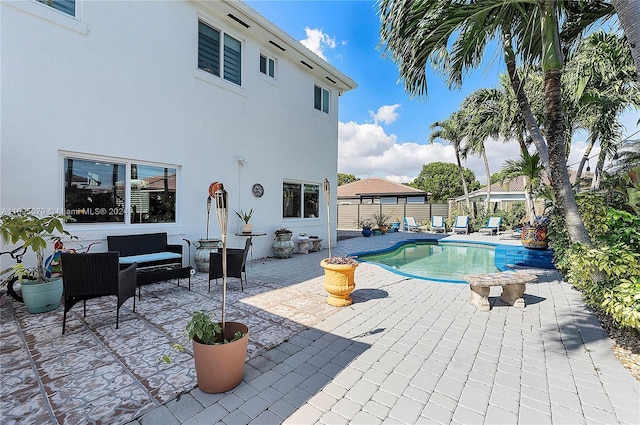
(147, 258)
(129, 245)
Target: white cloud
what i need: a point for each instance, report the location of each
(317, 41)
(367, 150)
(386, 114)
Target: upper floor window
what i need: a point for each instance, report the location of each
(268, 66)
(95, 191)
(321, 98)
(66, 6)
(300, 200)
(210, 43)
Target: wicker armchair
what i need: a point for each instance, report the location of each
(88, 276)
(236, 260)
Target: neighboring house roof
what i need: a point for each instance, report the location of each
(375, 186)
(516, 186)
(285, 44)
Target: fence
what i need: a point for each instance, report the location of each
(349, 215)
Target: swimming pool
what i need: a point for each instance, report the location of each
(427, 259)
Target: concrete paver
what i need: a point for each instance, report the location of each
(415, 351)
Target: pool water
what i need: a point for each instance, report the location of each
(440, 262)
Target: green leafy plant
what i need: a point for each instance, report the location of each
(245, 216)
(366, 223)
(380, 219)
(33, 233)
(203, 329)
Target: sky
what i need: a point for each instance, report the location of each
(382, 132)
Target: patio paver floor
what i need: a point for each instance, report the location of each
(407, 350)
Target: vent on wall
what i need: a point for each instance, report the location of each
(238, 20)
(306, 64)
(277, 45)
(331, 79)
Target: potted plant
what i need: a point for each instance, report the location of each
(283, 245)
(534, 235)
(245, 217)
(33, 233)
(366, 224)
(219, 348)
(339, 279)
(381, 220)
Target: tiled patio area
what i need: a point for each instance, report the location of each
(406, 351)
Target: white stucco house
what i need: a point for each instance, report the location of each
(122, 113)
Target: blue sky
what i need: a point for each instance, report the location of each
(382, 132)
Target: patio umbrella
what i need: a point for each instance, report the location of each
(222, 213)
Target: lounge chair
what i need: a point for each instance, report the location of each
(492, 226)
(461, 225)
(411, 225)
(437, 224)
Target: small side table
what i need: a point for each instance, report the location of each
(251, 236)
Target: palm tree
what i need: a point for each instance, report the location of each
(601, 77)
(451, 130)
(530, 168)
(629, 17)
(481, 111)
(417, 33)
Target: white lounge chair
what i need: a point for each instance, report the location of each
(461, 225)
(492, 226)
(437, 224)
(411, 225)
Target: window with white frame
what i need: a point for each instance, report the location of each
(268, 65)
(99, 191)
(66, 6)
(321, 98)
(228, 64)
(300, 200)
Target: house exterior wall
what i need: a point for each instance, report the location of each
(121, 81)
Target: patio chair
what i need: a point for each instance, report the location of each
(411, 225)
(94, 275)
(492, 226)
(461, 225)
(236, 261)
(437, 224)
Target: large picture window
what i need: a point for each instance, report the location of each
(300, 200)
(210, 43)
(95, 191)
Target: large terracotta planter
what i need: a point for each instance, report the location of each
(534, 237)
(339, 282)
(220, 368)
(41, 297)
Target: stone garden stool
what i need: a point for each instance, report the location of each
(513, 286)
(317, 244)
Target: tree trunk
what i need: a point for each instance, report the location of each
(629, 16)
(565, 198)
(584, 159)
(552, 64)
(523, 101)
(464, 182)
(486, 167)
(597, 175)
